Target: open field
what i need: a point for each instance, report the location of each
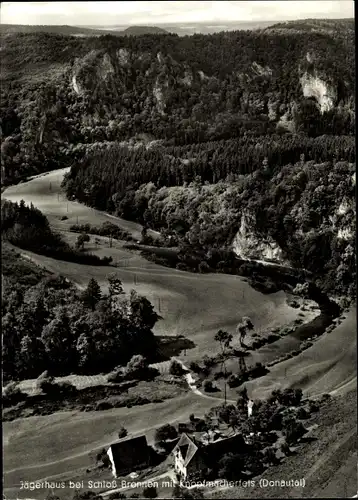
(330, 365)
(57, 446)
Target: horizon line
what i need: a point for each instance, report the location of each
(188, 22)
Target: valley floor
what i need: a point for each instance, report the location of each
(196, 306)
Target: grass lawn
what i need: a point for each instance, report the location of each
(330, 365)
(57, 445)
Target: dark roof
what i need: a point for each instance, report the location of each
(186, 427)
(130, 452)
(214, 451)
(211, 452)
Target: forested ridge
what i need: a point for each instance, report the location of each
(58, 92)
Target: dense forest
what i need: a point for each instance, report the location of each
(63, 95)
(47, 324)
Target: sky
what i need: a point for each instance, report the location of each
(155, 13)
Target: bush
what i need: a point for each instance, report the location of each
(194, 367)
(234, 381)
(49, 387)
(165, 433)
(11, 394)
(325, 397)
(208, 386)
(289, 397)
(293, 430)
(285, 448)
(302, 413)
(204, 267)
(270, 456)
(313, 406)
(200, 425)
(272, 338)
(138, 368)
(258, 370)
(176, 368)
(103, 405)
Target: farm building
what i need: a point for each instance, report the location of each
(129, 455)
(194, 454)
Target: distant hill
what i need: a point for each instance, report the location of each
(327, 26)
(77, 30)
(143, 30)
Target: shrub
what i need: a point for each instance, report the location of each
(258, 370)
(11, 394)
(138, 368)
(47, 385)
(103, 405)
(270, 456)
(234, 381)
(208, 386)
(325, 397)
(165, 433)
(285, 448)
(272, 338)
(313, 406)
(208, 361)
(200, 425)
(122, 433)
(194, 367)
(176, 368)
(204, 267)
(293, 430)
(302, 413)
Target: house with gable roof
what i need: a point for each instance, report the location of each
(193, 455)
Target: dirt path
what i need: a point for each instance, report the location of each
(192, 385)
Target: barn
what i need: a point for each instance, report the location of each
(128, 455)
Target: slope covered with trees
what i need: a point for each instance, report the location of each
(61, 94)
